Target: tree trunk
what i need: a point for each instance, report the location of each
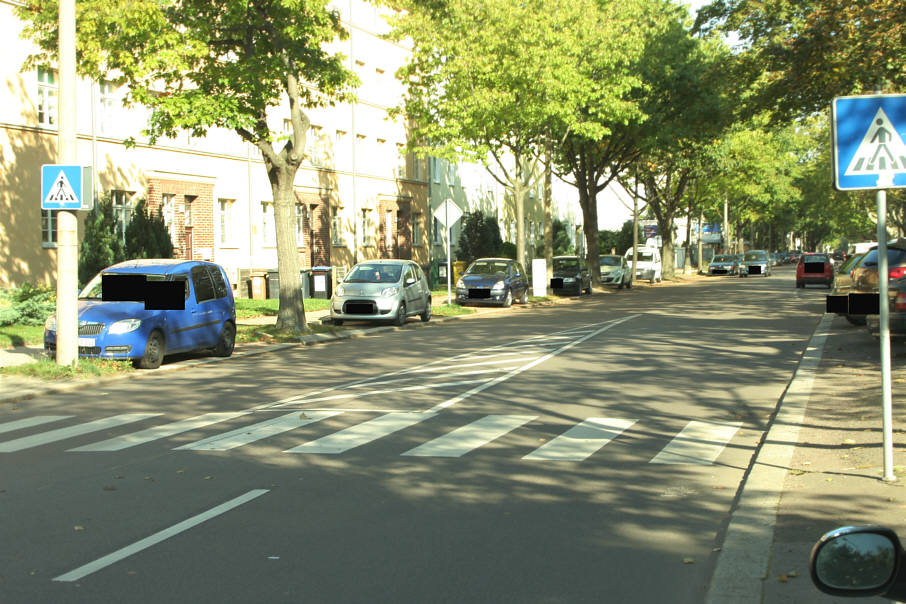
(291, 313)
(519, 191)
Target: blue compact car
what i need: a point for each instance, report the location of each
(143, 321)
(497, 281)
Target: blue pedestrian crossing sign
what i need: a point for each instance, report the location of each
(868, 133)
(61, 187)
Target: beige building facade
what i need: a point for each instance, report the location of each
(359, 195)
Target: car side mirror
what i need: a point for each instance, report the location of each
(410, 281)
(859, 561)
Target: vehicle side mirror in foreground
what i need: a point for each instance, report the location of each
(859, 561)
(410, 280)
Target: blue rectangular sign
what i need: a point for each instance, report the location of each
(868, 133)
(61, 187)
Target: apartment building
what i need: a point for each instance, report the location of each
(359, 195)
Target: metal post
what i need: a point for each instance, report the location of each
(447, 233)
(886, 398)
(67, 223)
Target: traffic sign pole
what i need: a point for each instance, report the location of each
(886, 397)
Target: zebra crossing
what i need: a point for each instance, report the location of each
(697, 443)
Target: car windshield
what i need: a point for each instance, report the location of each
(94, 291)
(566, 265)
(487, 267)
(724, 259)
(754, 256)
(374, 273)
(815, 258)
(610, 261)
(851, 263)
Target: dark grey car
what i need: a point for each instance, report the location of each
(570, 276)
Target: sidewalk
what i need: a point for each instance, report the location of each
(819, 469)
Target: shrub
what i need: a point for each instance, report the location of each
(27, 305)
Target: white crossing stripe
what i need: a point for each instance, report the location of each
(29, 422)
(469, 437)
(145, 436)
(582, 440)
(249, 434)
(361, 434)
(27, 442)
(699, 443)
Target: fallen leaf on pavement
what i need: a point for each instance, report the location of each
(688, 560)
(78, 527)
(109, 487)
(792, 573)
(782, 578)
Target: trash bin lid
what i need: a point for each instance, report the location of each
(322, 268)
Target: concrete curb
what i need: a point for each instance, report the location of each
(742, 565)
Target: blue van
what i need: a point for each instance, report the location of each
(135, 327)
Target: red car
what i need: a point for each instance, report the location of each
(814, 268)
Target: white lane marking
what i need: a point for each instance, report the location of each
(415, 377)
(63, 433)
(582, 440)
(335, 397)
(471, 436)
(120, 554)
(145, 436)
(461, 397)
(361, 434)
(255, 432)
(460, 365)
(699, 443)
(30, 422)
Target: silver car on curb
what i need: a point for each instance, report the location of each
(382, 290)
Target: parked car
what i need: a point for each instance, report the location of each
(649, 263)
(615, 271)
(493, 281)
(570, 275)
(119, 322)
(864, 274)
(896, 315)
(723, 264)
(814, 268)
(755, 262)
(382, 290)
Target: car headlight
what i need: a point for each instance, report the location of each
(498, 286)
(569, 280)
(389, 292)
(340, 292)
(460, 284)
(124, 326)
(51, 323)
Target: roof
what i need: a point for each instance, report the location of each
(155, 265)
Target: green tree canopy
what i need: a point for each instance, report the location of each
(227, 63)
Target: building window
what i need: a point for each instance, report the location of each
(438, 230)
(189, 202)
(367, 228)
(122, 211)
(268, 230)
(314, 148)
(401, 171)
(388, 228)
(435, 168)
(300, 225)
(107, 107)
(340, 149)
(225, 208)
(168, 211)
(47, 97)
(336, 228)
(417, 229)
(49, 228)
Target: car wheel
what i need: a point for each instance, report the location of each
(154, 352)
(629, 284)
(426, 315)
(508, 301)
(523, 299)
(226, 342)
(856, 319)
(401, 315)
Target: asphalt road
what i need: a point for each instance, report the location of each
(578, 453)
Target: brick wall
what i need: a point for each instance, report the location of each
(200, 196)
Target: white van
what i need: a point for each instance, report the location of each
(649, 263)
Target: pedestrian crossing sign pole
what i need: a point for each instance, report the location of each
(868, 135)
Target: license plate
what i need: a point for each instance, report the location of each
(86, 341)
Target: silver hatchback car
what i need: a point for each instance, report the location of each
(380, 290)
